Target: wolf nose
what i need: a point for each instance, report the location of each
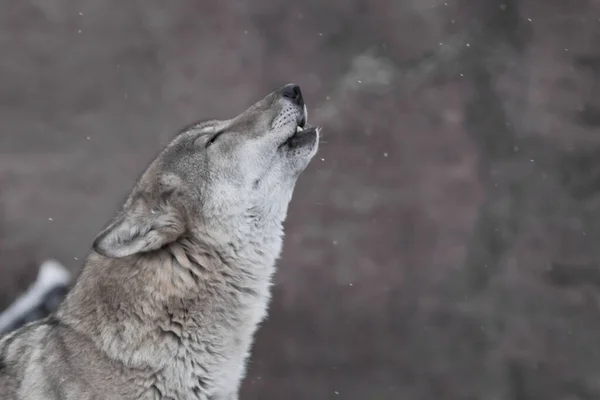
(293, 92)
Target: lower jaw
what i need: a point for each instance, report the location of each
(300, 138)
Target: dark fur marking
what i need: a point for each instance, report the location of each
(202, 383)
(197, 391)
(52, 321)
(3, 361)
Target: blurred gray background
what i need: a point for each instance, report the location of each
(443, 244)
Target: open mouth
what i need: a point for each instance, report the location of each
(303, 134)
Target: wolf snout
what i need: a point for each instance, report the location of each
(293, 93)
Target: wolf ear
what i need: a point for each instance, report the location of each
(140, 229)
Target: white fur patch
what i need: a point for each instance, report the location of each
(50, 275)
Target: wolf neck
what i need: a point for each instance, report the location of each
(131, 307)
(249, 243)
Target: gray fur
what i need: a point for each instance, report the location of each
(176, 285)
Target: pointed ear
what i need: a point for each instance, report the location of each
(140, 229)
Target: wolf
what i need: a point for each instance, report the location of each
(175, 286)
(40, 299)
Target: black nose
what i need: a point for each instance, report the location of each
(293, 93)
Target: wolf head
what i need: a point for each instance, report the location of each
(218, 177)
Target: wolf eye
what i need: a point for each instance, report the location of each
(214, 138)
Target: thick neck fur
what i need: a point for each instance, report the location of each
(158, 300)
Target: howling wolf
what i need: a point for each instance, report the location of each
(175, 286)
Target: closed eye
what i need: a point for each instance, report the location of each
(214, 138)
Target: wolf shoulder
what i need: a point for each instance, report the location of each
(46, 360)
(23, 358)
